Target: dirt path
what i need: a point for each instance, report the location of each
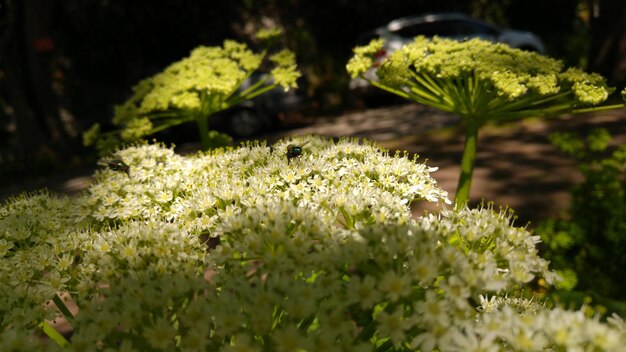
(516, 166)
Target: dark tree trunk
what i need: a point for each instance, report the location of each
(607, 54)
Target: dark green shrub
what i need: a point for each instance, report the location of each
(591, 238)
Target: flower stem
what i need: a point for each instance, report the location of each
(389, 89)
(598, 108)
(58, 301)
(203, 129)
(467, 164)
(53, 334)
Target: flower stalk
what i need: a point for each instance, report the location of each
(53, 334)
(481, 82)
(203, 129)
(467, 165)
(58, 301)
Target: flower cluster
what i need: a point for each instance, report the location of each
(36, 252)
(241, 250)
(209, 80)
(209, 73)
(356, 183)
(539, 329)
(481, 80)
(402, 285)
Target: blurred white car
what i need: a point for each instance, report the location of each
(401, 31)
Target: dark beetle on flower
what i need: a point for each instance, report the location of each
(294, 151)
(119, 165)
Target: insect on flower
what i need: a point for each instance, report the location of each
(294, 151)
(119, 165)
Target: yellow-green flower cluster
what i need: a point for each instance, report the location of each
(212, 71)
(482, 80)
(241, 249)
(192, 89)
(215, 72)
(286, 73)
(362, 60)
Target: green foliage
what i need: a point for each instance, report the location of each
(591, 240)
(317, 254)
(480, 81)
(219, 140)
(194, 88)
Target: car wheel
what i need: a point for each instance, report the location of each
(245, 123)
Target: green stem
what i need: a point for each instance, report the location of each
(597, 108)
(390, 90)
(467, 164)
(171, 123)
(203, 129)
(367, 332)
(388, 345)
(251, 94)
(254, 86)
(53, 334)
(428, 97)
(58, 301)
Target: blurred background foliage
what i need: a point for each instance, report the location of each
(65, 64)
(587, 244)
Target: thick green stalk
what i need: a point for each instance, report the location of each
(203, 129)
(467, 164)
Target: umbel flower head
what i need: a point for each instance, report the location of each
(194, 88)
(480, 80)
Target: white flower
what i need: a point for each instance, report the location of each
(393, 325)
(394, 286)
(364, 292)
(433, 310)
(160, 335)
